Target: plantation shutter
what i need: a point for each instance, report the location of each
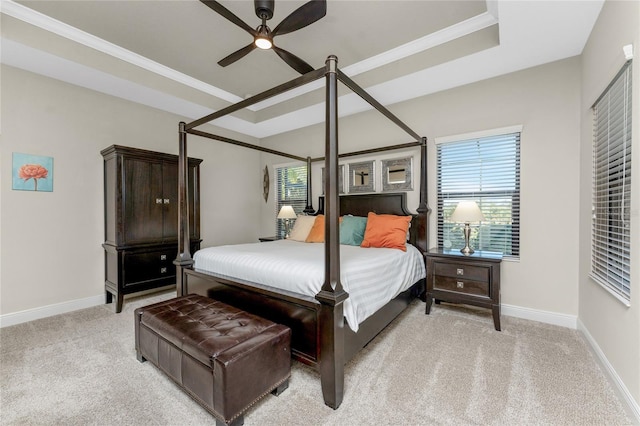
(485, 170)
(611, 209)
(291, 190)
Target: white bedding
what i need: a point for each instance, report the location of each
(371, 276)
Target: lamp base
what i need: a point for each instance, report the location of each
(467, 251)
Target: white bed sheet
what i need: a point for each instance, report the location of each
(371, 276)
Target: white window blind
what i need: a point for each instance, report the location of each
(611, 209)
(291, 190)
(485, 170)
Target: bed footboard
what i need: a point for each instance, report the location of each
(299, 314)
(308, 319)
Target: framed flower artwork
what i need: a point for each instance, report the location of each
(32, 172)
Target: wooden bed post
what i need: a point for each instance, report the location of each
(423, 209)
(184, 255)
(332, 295)
(309, 207)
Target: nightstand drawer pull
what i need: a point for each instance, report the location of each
(163, 270)
(158, 200)
(163, 257)
(460, 271)
(459, 284)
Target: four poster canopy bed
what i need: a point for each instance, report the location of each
(315, 312)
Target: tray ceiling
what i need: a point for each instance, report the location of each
(164, 53)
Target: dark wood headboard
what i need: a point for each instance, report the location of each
(362, 204)
(385, 203)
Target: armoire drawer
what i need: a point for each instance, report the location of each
(146, 266)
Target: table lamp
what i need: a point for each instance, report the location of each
(286, 213)
(465, 212)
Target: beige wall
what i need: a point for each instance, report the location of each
(613, 327)
(51, 242)
(545, 101)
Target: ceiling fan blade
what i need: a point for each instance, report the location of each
(305, 15)
(226, 13)
(293, 61)
(236, 55)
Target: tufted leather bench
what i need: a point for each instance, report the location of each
(224, 358)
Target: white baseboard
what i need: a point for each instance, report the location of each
(623, 391)
(50, 310)
(64, 307)
(554, 318)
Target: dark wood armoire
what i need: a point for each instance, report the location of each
(141, 219)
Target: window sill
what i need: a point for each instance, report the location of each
(626, 302)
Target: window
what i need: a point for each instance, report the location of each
(611, 208)
(485, 170)
(291, 190)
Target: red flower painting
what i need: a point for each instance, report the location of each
(33, 171)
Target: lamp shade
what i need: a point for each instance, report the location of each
(286, 212)
(467, 211)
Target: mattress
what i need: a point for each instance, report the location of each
(371, 276)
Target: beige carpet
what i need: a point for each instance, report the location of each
(450, 367)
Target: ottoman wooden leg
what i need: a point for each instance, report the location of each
(238, 421)
(283, 386)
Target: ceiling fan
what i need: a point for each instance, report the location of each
(263, 36)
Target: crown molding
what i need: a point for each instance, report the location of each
(40, 20)
(445, 35)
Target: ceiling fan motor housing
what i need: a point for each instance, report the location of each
(264, 8)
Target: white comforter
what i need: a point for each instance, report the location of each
(371, 276)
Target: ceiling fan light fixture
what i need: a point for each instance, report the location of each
(263, 43)
(263, 38)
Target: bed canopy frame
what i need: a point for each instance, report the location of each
(331, 330)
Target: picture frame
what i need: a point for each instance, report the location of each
(362, 177)
(32, 173)
(340, 179)
(397, 174)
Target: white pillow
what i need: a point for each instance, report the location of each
(301, 228)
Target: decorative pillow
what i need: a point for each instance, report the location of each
(386, 230)
(301, 228)
(352, 230)
(316, 234)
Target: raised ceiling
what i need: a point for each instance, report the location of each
(164, 53)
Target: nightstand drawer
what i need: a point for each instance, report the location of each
(459, 285)
(462, 271)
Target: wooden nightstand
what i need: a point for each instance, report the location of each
(472, 280)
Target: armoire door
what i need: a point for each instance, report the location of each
(143, 202)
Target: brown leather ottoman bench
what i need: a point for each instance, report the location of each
(224, 358)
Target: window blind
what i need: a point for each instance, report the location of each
(485, 170)
(291, 190)
(611, 208)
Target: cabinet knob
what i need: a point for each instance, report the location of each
(163, 257)
(158, 200)
(460, 271)
(166, 201)
(163, 270)
(459, 284)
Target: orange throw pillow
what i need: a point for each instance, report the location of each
(316, 235)
(386, 230)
